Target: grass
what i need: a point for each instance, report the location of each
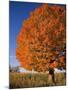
(26, 80)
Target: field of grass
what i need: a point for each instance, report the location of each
(26, 80)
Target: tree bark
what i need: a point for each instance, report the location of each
(51, 73)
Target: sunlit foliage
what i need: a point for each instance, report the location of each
(41, 42)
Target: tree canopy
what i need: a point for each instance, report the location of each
(41, 43)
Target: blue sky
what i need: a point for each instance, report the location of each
(18, 12)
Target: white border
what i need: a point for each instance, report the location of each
(46, 1)
(4, 43)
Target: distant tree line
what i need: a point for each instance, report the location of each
(14, 69)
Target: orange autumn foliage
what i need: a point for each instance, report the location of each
(42, 39)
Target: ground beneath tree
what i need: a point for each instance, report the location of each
(27, 80)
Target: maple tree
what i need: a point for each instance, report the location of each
(41, 43)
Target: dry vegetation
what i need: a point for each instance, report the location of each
(26, 80)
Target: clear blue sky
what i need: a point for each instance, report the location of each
(18, 12)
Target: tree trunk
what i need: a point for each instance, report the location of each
(51, 73)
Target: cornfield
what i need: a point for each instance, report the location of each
(27, 80)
